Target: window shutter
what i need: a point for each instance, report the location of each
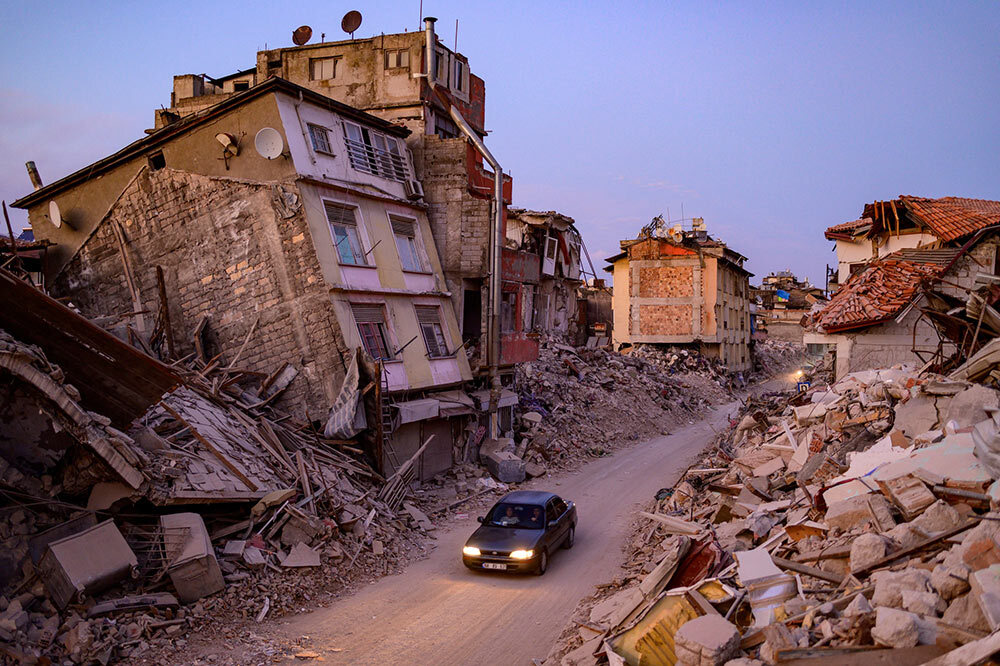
(338, 214)
(402, 227)
(431, 339)
(428, 315)
(368, 313)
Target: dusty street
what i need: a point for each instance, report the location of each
(438, 612)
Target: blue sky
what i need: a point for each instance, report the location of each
(770, 120)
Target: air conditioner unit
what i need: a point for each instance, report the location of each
(414, 190)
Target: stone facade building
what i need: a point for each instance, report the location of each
(385, 76)
(263, 219)
(682, 288)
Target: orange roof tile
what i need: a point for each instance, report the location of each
(950, 218)
(846, 229)
(878, 293)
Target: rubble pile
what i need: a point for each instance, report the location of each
(578, 402)
(117, 543)
(853, 518)
(772, 356)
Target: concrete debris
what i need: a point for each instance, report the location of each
(882, 535)
(708, 640)
(210, 493)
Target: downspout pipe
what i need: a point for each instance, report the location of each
(496, 233)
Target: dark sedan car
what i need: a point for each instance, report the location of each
(520, 532)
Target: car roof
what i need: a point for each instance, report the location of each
(528, 497)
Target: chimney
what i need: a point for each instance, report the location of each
(429, 52)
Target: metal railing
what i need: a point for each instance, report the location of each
(376, 162)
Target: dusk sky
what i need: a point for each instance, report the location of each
(770, 120)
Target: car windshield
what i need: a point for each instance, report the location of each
(522, 516)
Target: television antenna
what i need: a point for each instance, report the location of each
(302, 35)
(268, 143)
(351, 22)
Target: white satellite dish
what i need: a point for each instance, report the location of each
(269, 143)
(55, 217)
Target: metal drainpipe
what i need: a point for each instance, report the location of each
(496, 238)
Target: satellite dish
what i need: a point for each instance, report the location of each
(302, 35)
(55, 217)
(351, 22)
(269, 143)
(228, 142)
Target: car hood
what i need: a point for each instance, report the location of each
(489, 537)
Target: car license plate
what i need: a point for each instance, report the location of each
(493, 565)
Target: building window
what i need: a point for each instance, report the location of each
(374, 152)
(240, 86)
(323, 69)
(371, 325)
(344, 227)
(444, 127)
(460, 70)
(320, 137)
(429, 319)
(508, 311)
(440, 66)
(405, 233)
(156, 160)
(397, 58)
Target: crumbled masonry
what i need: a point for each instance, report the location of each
(857, 515)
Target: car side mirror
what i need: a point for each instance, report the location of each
(480, 519)
(552, 522)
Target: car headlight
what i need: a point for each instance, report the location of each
(471, 551)
(522, 554)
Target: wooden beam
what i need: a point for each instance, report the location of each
(230, 465)
(808, 570)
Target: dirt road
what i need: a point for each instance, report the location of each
(439, 612)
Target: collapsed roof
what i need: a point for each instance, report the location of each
(947, 218)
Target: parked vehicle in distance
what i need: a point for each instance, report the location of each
(520, 533)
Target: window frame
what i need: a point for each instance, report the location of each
(376, 331)
(397, 53)
(440, 347)
(312, 129)
(360, 250)
(364, 154)
(506, 307)
(460, 71)
(415, 243)
(317, 61)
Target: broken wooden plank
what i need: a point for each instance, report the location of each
(851, 655)
(674, 525)
(798, 567)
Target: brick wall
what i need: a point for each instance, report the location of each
(232, 252)
(665, 319)
(666, 281)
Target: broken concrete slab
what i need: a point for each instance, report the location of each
(709, 640)
(301, 555)
(985, 589)
(504, 466)
(917, 415)
(867, 549)
(855, 511)
(895, 628)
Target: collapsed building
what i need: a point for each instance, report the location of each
(905, 265)
(682, 287)
(550, 242)
(260, 220)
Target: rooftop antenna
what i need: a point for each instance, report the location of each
(456, 35)
(302, 35)
(351, 22)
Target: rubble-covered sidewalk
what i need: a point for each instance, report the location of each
(856, 521)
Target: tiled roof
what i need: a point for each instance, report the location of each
(950, 218)
(881, 291)
(846, 229)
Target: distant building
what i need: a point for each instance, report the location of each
(682, 288)
(782, 301)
